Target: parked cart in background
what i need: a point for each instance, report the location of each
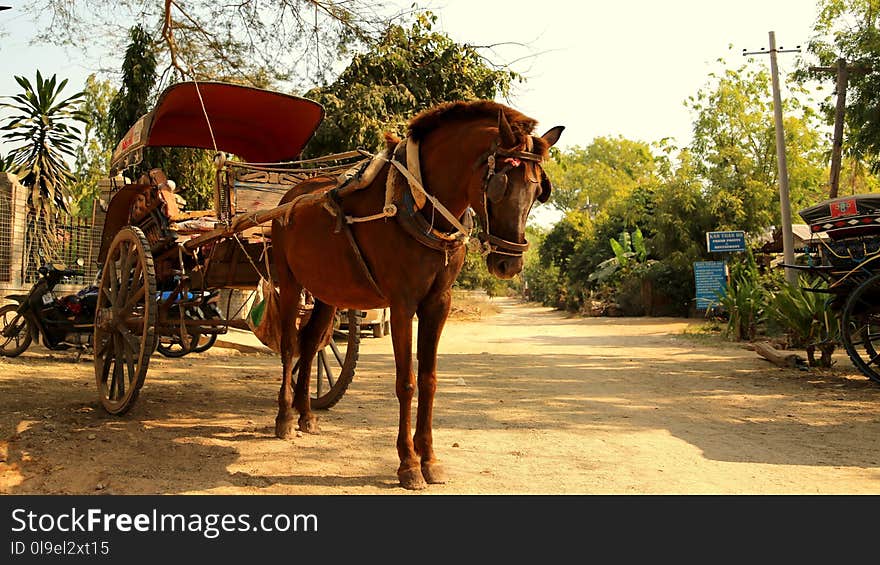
(847, 256)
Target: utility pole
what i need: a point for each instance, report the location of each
(782, 163)
(843, 71)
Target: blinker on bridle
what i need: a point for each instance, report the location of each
(495, 189)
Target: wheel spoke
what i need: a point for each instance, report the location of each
(101, 346)
(336, 352)
(134, 299)
(137, 276)
(129, 352)
(112, 275)
(130, 341)
(125, 281)
(330, 378)
(319, 362)
(114, 383)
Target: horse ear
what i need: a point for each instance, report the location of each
(504, 131)
(552, 135)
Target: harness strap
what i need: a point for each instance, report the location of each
(333, 205)
(418, 189)
(421, 230)
(414, 168)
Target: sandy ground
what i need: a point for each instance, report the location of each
(529, 401)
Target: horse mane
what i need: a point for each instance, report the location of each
(427, 120)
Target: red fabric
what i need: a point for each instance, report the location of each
(257, 125)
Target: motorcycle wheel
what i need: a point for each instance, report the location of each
(19, 335)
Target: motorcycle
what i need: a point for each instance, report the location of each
(60, 323)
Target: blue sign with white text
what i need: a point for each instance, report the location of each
(724, 241)
(711, 281)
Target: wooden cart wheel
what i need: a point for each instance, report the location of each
(333, 367)
(15, 332)
(860, 327)
(125, 320)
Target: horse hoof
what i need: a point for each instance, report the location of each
(411, 479)
(433, 473)
(283, 428)
(308, 424)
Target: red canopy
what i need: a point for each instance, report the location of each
(260, 126)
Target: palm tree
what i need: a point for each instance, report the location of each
(43, 128)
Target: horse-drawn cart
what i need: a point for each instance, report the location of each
(161, 262)
(846, 253)
(351, 230)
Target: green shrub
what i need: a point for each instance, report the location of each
(806, 319)
(744, 301)
(672, 283)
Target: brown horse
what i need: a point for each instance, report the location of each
(478, 155)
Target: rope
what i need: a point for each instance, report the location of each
(268, 276)
(205, 112)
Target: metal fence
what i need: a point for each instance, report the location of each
(74, 238)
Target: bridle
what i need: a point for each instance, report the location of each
(495, 189)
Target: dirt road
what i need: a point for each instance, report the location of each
(529, 401)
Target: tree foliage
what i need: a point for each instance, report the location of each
(850, 29)
(99, 139)
(139, 77)
(255, 42)
(734, 148)
(726, 179)
(608, 169)
(409, 69)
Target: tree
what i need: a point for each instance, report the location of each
(607, 169)
(409, 69)
(191, 169)
(43, 127)
(250, 41)
(134, 98)
(99, 139)
(851, 29)
(734, 149)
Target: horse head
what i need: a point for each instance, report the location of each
(512, 181)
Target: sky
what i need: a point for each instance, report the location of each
(600, 68)
(625, 67)
(621, 67)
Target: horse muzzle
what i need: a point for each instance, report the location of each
(504, 266)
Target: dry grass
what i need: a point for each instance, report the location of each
(472, 305)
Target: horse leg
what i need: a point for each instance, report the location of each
(433, 312)
(409, 473)
(289, 305)
(315, 335)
